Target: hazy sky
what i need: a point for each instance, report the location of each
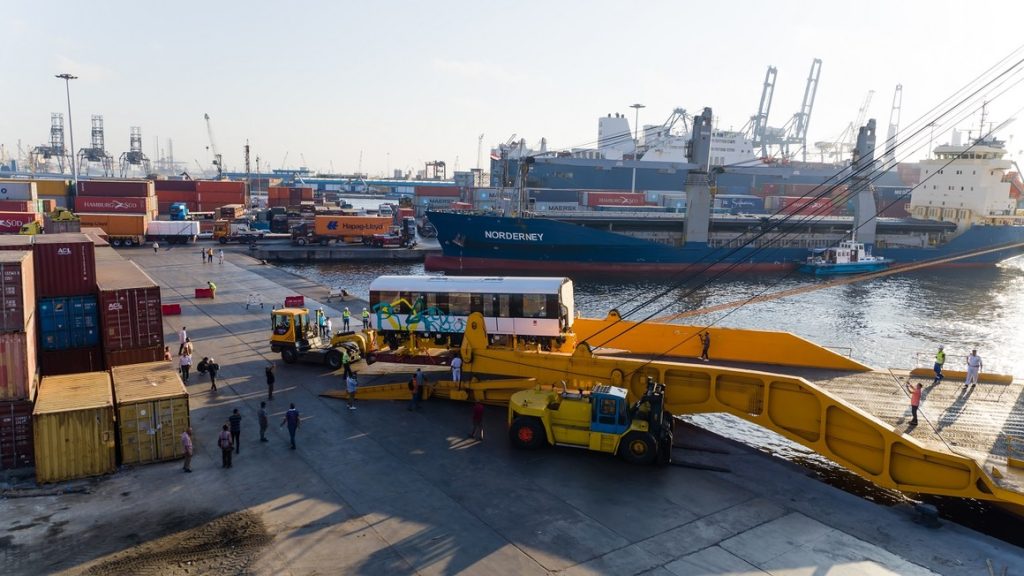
(403, 83)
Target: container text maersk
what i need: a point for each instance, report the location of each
(527, 236)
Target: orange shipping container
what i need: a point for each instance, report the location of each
(117, 224)
(19, 371)
(350, 226)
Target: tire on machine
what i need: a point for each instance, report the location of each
(289, 356)
(527, 433)
(333, 359)
(638, 448)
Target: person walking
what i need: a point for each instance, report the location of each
(268, 371)
(182, 337)
(328, 328)
(346, 317)
(366, 319)
(346, 362)
(478, 421)
(457, 371)
(915, 401)
(417, 382)
(351, 385)
(705, 341)
(202, 252)
(940, 359)
(321, 325)
(974, 366)
(189, 347)
(209, 255)
(212, 368)
(156, 247)
(224, 443)
(264, 422)
(210, 284)
(186, 449)
(184, 364)
(220, 256)
(235, 420)
(293, 419)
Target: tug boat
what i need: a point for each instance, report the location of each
(850, 257)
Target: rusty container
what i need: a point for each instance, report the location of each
(116, 188)
(129, 307)
(17, 290)
(71, 361)
(16, 449)
(152, 412)
(19, 369)
(65, 265)
(73, 427)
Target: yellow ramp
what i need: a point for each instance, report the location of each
(727, 344)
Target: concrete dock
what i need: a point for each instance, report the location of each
(382, 490)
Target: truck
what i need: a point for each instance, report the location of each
(172, 232)
(338, 228)
(225, 231)
(403, 236)
(231, 212)
(295, 336)
(601, 420)
(179, 211)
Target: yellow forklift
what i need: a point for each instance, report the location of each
(296, 337)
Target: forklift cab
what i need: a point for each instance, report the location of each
(290, 327)
(609, 410)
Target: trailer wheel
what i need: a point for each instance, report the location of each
(289, 356)
(223, 239)
(116, 242)
(128, 242)
(527, 433)
(638, 448)
(333, 359)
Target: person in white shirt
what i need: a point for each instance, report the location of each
(973, 368)
(457, 371)
(182, 337)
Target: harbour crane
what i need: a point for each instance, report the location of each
(217, 159)
(759, 122)
(894, 125)
(796, 129)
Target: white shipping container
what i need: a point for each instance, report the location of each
(18, 190)
(556, 206)
(173, 228)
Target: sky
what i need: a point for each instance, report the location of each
(377, 86)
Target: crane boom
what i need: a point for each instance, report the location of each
(217, 160)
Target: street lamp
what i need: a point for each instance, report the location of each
(67, 78)
(636, 123)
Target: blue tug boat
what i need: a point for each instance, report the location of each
(850, 257)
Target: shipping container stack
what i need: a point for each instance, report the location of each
(130, 315)
(152, 412)
(288, 196)
(18, 368)
(122, 208)
(176, 191)
(212, 194)
(18, 205)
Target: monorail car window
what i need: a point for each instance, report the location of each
(458, 304)
(476, 302)
(534, 306)
(553, 310)
(438, 300)
(515, 306)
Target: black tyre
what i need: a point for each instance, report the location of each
(333, 359)
(129, 242)
(638, 448)
(527, 433)
(370, 358)
(116, 242)
(289, 356)
(223, 239)
(301, 241)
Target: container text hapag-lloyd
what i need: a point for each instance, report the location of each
(528, 236)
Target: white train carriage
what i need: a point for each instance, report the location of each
(531, 309)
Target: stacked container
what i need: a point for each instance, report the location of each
(54, 193)
(152, 412)
(68, 318)
(285, 196)
(123, 208)
(18, 205)
(18, 369)
(174, 191)
(73, 427)
(130, 314)
(212, 194)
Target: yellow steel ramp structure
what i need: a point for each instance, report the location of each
(789, 405)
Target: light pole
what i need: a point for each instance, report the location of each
(67, 78)
(636, 140)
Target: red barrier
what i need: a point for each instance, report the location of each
(171, 309)
(294, 301)
(204, 293)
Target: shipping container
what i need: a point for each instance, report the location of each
(16, 241)
(350, 226)
(19, 206)
(19, 369)
(592, 198)
(174, 186)
(556, 206)
(16, 449)
(65, 265)
(69, 322)
(547, 195)
(804, 206)
(121, 229)
(438, 191)
(152, 412)
(47, 205)
(57, 202)
(51, 226)
(53, 188)
(223, 186)
(739, 203)
(129, 305)
(70, 361)
(117, 188)
(17, 290)
(113, 358)
(114, 204)
(106, 254)
(73, 427)
(18, 190)
(97, 235)
(231, 211)
(11, 222)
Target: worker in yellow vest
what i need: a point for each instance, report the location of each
(940, 359)
(346, 317)
(366, 319)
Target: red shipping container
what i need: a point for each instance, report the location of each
(17, 290)
(16, 444)
(220, 198)
(174, 185)
(115, 204)
(294, 301)
(48, 205)
(16, 242)
(170, 309)
(438, 191)
(71, 361)
(18, 368)
(230, 186)
(173, 196)
(65, 265)
(11, 222)
(17, 206)
(117, 188)
(615, 199)
(134, 356)
(129, 307)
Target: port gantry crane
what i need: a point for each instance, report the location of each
(217, 158)
(791, 139)
(894, 126)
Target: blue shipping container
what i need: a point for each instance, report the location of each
(68, 322)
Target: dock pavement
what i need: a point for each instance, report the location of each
(382, 490)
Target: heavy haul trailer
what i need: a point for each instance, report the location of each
(294, 335)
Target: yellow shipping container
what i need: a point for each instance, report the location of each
(73, 427)
(152, 411)
(53, 187)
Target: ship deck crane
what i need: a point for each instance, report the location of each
(217, 158)
(894, 125)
